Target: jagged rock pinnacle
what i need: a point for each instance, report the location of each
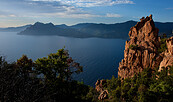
(141, 51)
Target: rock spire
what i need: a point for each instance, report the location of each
(141, 50)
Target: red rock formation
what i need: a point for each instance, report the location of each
(169, 43)
(99, 87)
(168, 54)
(103, 95)
(141, 51)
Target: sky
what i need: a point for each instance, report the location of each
(21, 12)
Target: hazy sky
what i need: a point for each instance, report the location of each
(21, 12)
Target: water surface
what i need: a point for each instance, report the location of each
(99, 57)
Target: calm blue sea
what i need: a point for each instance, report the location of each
(99, 57)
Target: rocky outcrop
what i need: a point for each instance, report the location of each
(141, 50)
(168, 54)
(100, 84)
(169, 43)
(103, 95)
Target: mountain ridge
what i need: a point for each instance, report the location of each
(86, 30)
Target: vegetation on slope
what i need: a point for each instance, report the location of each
(19, 81)
(163, 46)
(148, 86)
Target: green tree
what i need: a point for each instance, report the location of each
(24, 66)
(163, 45)
(57, 65)
(16, 85)
(57, 69)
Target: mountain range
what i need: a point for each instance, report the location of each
(14, 29)
(85, 30)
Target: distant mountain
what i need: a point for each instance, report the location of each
(82, 30)
(166, 28)
(14, 29)
(50, 29)
(118, 30)
(40, 29)
(81, 25)
(62, 26)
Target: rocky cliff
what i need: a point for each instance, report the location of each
(168, 54)
(141, 51)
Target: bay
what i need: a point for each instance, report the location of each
(99, 57)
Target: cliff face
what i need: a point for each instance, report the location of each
(141, 51)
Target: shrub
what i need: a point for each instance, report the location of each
(143, 87)
(163, 46)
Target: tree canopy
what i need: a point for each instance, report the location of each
(19, 81)
(57, 65)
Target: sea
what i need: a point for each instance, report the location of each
(99, 57)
